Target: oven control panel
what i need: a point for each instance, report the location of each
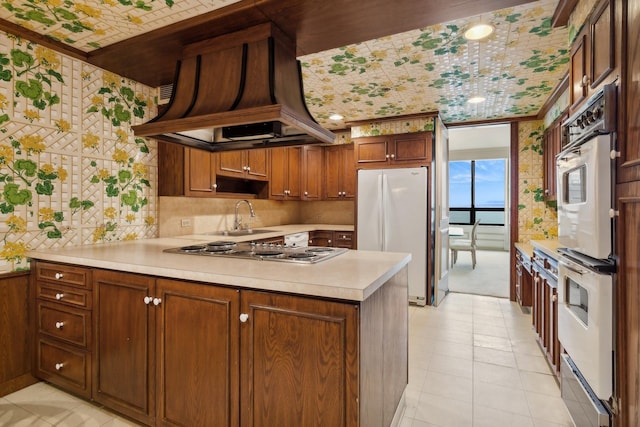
(597, 116)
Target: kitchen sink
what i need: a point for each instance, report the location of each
(243, 232)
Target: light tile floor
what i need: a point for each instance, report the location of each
(473, 361)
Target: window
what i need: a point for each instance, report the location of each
(476, 191)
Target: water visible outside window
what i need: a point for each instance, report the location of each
(477, 191)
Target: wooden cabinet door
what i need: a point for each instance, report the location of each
(348, 172)
(124, 374)
(200, 173)
(340, 172)
(312, 173)
(294, 172)
(552, 146)
(257, 162)
(232, 164)
(311, 383)
(627, 294)
(578, 70)
(279, 173)
(602, 43)
(197, 354)
(332, 173)
(372, 151)
(411, 148)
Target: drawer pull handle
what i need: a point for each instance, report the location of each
(59, 296)
(244, 317)
(157, 301)
(59, 366)
(147, 300)
(59, 325)
(59, 276)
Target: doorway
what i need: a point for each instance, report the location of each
(479, 190)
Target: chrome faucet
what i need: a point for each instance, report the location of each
(237, 222)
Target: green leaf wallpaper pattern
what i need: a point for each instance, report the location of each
(436, 69)
(42, 144)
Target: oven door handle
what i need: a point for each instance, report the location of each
(569, 154)
(572, 268)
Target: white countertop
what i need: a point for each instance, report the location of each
(354, 275)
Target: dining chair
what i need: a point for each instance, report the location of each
(468, 245)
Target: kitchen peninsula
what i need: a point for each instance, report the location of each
(169, 339)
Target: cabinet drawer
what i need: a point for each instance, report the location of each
(64, 274)
(343, 239)
(65, 323)
(64, 366)
(64, 294)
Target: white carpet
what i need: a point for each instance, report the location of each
(490, 277)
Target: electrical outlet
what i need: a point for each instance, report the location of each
(185, 222)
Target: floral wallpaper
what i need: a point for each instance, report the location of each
(71, 171)
(536, 220)
(437, 69)
(424, 70)
(90, 25)
(393, 127)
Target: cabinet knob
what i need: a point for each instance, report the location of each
(244, 168)
(306, 193)
(59, 296)
(59, 366)
(248, 169)
(554, 298)
(585, 80)
(244, 317)
(157, 301)
(546, 191)
(147, 300)
(310, 241)
(214, 186)
(387, 156)
(59, 276)
(393, 156)
(59, 325)
(329, 241)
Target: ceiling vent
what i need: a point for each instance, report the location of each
(237, 91)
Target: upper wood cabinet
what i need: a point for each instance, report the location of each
(405, 150)
(312, 173)
(339, 172)
(552, 146)
(285, 173)
(185, 171)
(244, 164)
(593, 54)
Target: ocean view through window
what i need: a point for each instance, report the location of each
(477, 191)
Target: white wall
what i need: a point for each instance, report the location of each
(485, 142)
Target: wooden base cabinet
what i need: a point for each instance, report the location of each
(176, 333)
(124, 374)
(173, 353)
(63, 319)
(300, 361)
(16, 341)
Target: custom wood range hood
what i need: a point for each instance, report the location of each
(238, 91)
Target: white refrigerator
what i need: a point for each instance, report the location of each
(392, 216)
